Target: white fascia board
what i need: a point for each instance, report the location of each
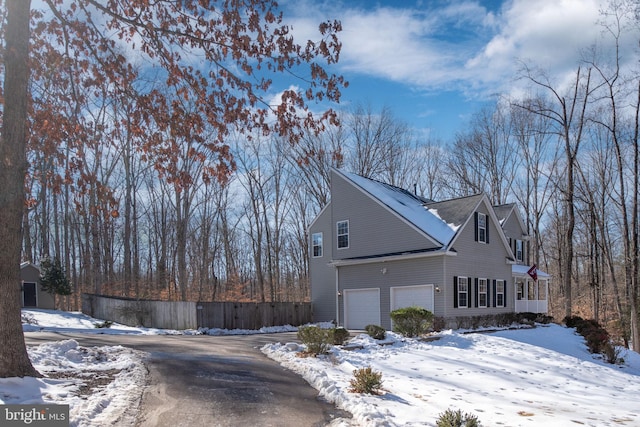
(400, 257)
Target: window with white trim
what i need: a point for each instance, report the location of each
(519, 250)
(463, 292)
(499, 293)
(316, 244)
(482, 293)
(343, 234)
(482, 227)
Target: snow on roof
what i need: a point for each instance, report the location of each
(407, 205)
(521, 270)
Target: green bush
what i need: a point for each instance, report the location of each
(366, 380)
(451, 418)
(375, 332)
(317, 340)
(105, 324)
(412, 321)
(340, 335)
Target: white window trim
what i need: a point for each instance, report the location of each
(486, 293)
(466, 292)
(520, 252)
(498, 282)
(313, 245)
(482, 239)
(347, 234)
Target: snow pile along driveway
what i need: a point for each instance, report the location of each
(101, 385)
(542, 376)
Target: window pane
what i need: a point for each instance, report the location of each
(500, 293)
(343, 234)
(317, 244)
(462, 300)
(462, 292)
(482, 227)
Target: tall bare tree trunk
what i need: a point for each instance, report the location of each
(635, 252)
(14, 360)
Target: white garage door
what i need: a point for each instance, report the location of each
(361, 308)
(408, 296)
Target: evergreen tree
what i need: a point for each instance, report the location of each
(53, 278)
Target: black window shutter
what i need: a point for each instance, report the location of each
(486, 229)
(495, 291)
(504, 298)
(475, 293)
(475, 225)
(455, 291)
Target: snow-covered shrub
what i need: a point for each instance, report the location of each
(412, 321)
(451, 418)
(105, 324)
(375, 332)
(366, 380)
(340, 335)
(317, 340)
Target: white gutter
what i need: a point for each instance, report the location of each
(341, 262)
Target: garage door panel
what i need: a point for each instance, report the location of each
(361, 307)
(408, 296)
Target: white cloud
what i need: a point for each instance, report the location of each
(461, 45)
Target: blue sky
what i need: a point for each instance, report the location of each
(435, 63)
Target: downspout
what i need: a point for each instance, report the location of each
(337, 297)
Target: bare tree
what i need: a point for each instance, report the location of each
(533, 186)
(567, 113)
(483, 159)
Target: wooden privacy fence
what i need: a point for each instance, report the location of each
(182, 315)
(252, 315)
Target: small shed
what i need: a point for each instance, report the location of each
(32, 294)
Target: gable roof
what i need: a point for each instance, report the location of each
(504, 212)
(408, 206)
(456, 211)
(440, 221)
(26, 264)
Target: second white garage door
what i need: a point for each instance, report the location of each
(361, 308)
(408, 296)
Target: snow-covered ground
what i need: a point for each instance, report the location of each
(528, 377)
(542, 376)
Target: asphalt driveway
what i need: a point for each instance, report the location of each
(215, 381)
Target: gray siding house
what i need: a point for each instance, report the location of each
(375, 248)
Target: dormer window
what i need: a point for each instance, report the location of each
(343, 234)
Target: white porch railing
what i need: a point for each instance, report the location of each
(531, 296)
(531, 306)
